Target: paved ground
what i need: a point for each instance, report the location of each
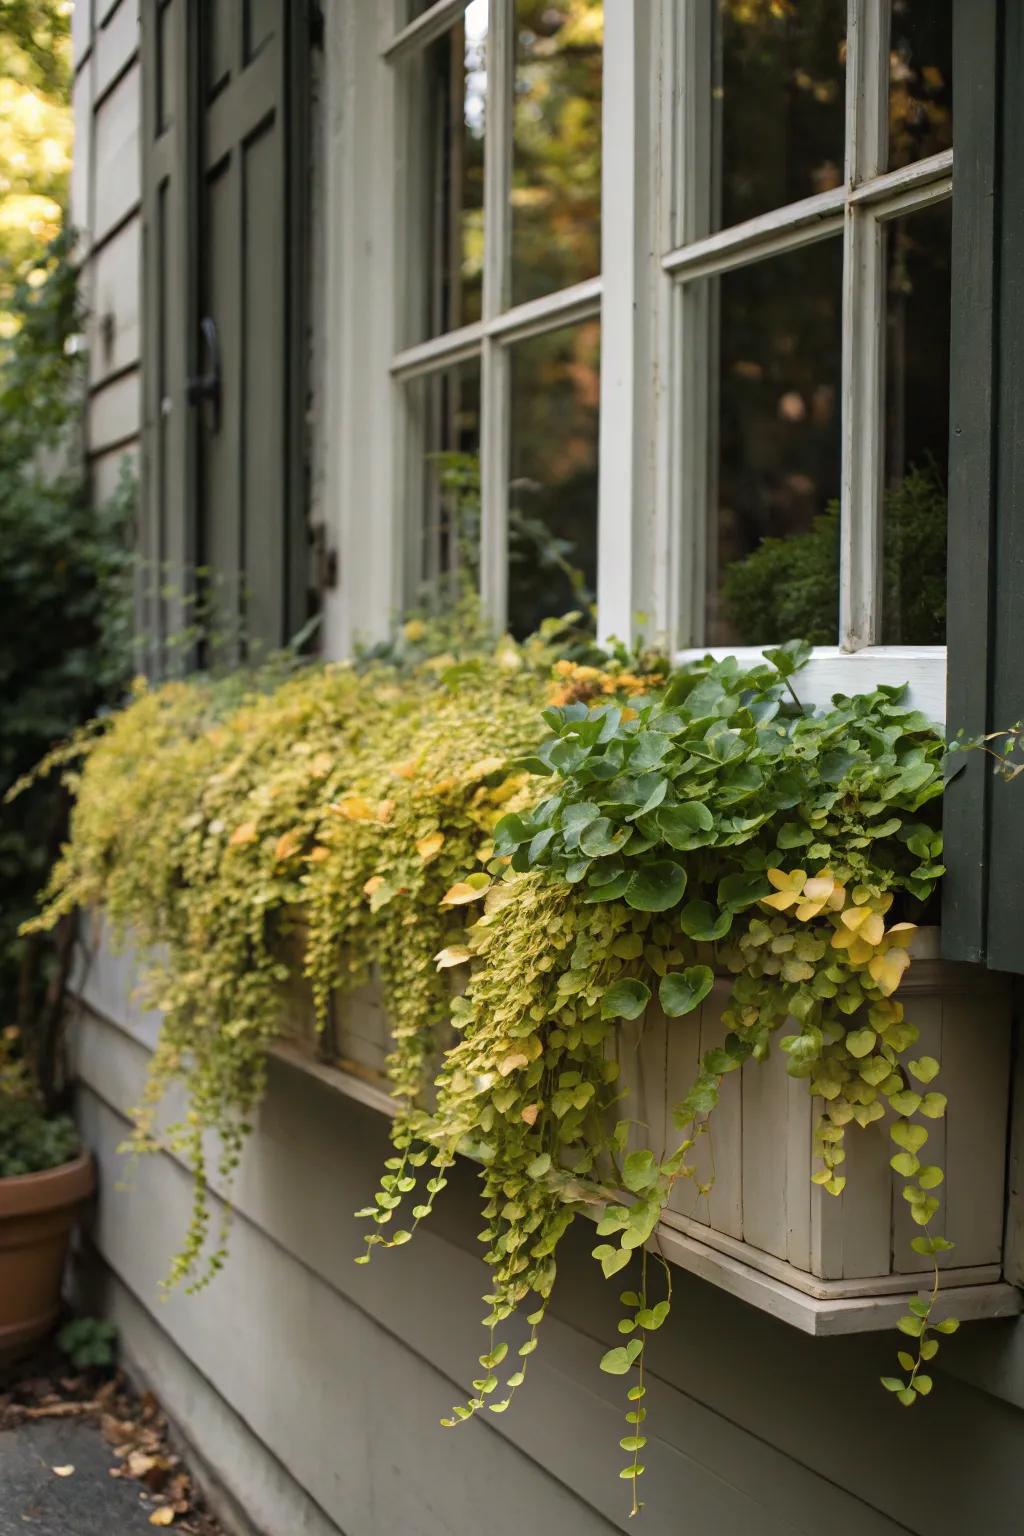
(36, 1501)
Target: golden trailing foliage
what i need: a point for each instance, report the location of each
(423, 823)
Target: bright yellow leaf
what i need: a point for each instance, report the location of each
(246, 833)
(286, 845)
(354, 808)
(430, 846)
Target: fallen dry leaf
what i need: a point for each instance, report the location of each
(62, 1471)
(162, 1516)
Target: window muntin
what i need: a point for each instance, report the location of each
(858, 212)
(531, 321)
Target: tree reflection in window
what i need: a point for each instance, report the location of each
(778, 96)
(555, 192)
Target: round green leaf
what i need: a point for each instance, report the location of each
(681, 992)
(700, 921)
(626, 999)
(656, 887)
(686, 826)
(602, 837)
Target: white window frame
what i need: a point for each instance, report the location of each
(652, 522)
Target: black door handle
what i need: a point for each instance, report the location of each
(206, 386)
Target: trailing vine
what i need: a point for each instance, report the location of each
(520, 886)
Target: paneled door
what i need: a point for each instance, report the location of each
(241, 306)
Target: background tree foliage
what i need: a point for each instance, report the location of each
(63, 621)
(35, 136)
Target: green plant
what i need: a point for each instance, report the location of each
(30, 1141)
(64, 630)
(417, 817)
(791, 585)
(88, 1341)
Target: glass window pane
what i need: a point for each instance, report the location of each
(778, 102)
(444, 421)
(552, 536)
(917, 333)
(448, 97)
(773, 543)
(920, 80)
(556, 145)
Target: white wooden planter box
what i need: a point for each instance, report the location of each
(765, 1233)
(763, 1209)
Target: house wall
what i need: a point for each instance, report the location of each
(105, 209)
(314, 1386)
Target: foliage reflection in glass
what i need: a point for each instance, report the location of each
(920, 80)
(444, 418)
(917, 338)
(778, 103)
(556, 151)
(555, 390)
(778, 456)
(449, 133)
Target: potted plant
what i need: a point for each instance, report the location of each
(45, 1177)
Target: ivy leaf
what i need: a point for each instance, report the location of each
(680, 992)
(640, 1171)
(611, 1259)
(626, 999)
(617, 1362)
(860, 1041)
(933, 1105)
(908, 1136)
(656, 887)
(925, 1069)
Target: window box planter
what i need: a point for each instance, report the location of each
(765, 1233)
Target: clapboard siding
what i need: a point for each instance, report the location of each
(752, 1422)
(81, 164)
(116, 44)
(81, 30)
(106, 468)
(114, 413)
(116, 155)
(113, 326)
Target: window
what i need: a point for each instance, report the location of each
(661, 307)
(496, 369)
(811, 256)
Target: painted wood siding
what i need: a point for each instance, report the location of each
(105, 209)
(322, 1381)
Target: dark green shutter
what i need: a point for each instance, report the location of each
(983, 914)
(166, 533)
(225, 473)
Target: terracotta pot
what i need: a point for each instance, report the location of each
(37, 1212)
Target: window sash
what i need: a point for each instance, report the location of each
(858, 211)
(655, 413)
